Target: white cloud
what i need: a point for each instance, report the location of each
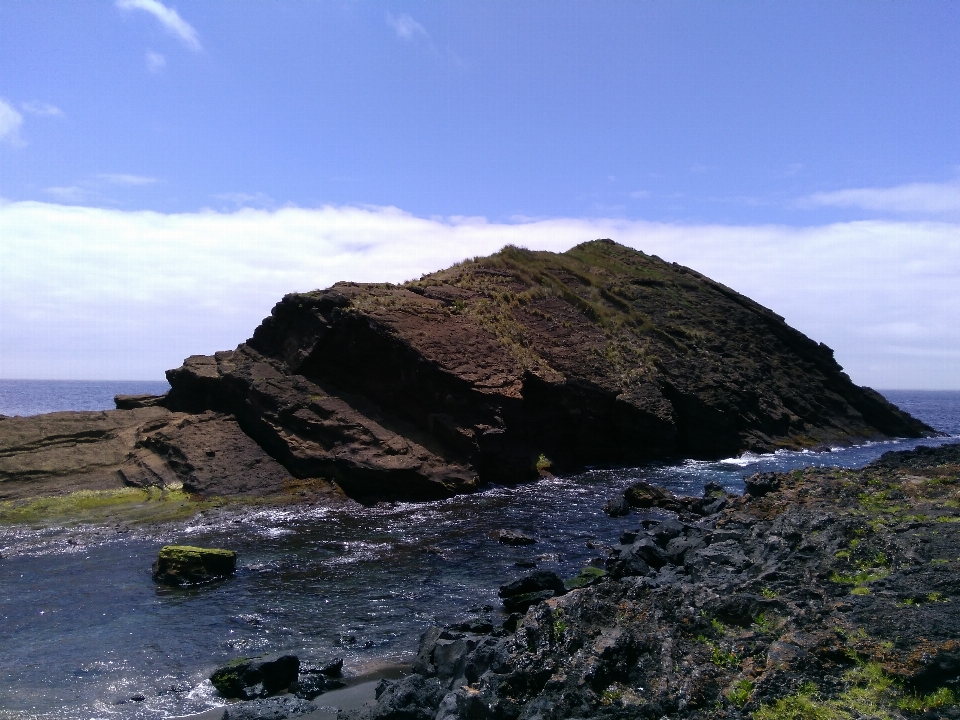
(90, 292)
(242, 199)
(920, 198)
(42, 108)
(10, 122)
(406, 27)
(70, 193)
(168, 17)
(155, 62)
(124, 179)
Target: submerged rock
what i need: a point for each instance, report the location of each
(513, 537)
(188, 565)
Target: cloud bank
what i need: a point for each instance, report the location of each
(98, 293)
(922, 198)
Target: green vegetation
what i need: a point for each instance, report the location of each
(720, 658)
(943, 697)
(740, 692)
(587, 576)
(769, 593)
(543, 463)
(129, 505)
(611, 695)
(559, 626)
(870, 693)
(763, 624)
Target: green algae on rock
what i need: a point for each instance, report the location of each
(188, 565)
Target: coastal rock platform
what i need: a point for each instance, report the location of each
(833, 595)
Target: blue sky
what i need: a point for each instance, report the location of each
(685, 128)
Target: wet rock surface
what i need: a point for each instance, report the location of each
(278, 708)
(188, 565)
(499, 369)
(830, 594)
(259, 677)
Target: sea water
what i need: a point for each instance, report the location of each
(84, 630)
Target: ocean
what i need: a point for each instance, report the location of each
(84, 629)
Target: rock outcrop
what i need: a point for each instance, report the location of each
(500, 366)
(831, 595)
(499, 369)
(189, 565)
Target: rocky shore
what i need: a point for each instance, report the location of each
(498, 369)
(818, 594)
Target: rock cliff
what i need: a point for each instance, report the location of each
(502, 366)
(494, 370)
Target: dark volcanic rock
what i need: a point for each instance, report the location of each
(534, 582)
(617, 507)
(759, 484)
(831, 596)
(256, 677)
(278, 708)
(644, 495)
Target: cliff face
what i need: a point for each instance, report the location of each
(500, 367)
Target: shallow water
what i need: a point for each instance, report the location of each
(82, 625)
(33, 397)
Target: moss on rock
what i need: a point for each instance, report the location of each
(188, 565)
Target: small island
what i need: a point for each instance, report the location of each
(496, 370)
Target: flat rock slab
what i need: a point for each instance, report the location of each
(208, 454)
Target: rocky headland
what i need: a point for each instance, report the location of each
(497, 369)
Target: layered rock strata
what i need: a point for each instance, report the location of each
(497, 369)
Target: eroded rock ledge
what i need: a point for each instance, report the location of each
(494, 370)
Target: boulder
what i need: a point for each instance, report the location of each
(587, 576)
(759, 484)
(617, 507)
(412, 698)
(520, 603)
(188, 565)
(534, 582)
(131, 402)
(644, 495)
(250, 678)
(309, 686)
